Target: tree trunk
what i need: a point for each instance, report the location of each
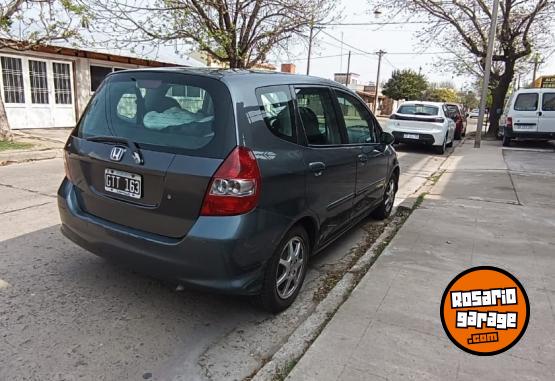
(5, 130)
(498, 97)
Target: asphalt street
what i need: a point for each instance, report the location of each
(66, 314)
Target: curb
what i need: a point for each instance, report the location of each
(300, 340)
(17, 157)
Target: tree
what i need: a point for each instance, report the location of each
(441, 94)
(462, 26)
(239, 33)
(26, 24)
(405, 84)
(469, 99)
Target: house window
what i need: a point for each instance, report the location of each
(39, 82)
(62, 83)
(12, 76)
(98, 73)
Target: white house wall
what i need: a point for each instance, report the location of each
(29, 115)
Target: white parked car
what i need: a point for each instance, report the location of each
(529, 114)
(422, 123)
(474, 113)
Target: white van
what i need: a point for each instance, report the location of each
(530, 114)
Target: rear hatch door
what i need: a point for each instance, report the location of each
(147, 146)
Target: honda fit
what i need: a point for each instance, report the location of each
(221, 179)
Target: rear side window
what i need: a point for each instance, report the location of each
(526, 102)
(548, 103)
(357, 120)
(418, 110)
(164, 111)
(452, 110)
(318, 116)
(276, 104)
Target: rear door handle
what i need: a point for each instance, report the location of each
(363, 158)
(317, 167)
(540, 113)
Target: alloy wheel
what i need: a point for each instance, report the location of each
(390, 195)
(290, 268)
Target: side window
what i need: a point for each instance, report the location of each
(276, 105)
(548, 103)
(360, 129)
(317, 116)
(526, 102)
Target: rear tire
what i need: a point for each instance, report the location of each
(386, 206)
(441, 149)
(506, 141)
(285, 272)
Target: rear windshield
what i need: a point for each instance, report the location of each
(418, 110)
(526, 102)
(163, 111)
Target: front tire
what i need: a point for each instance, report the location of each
(386, 206)
(285, 272)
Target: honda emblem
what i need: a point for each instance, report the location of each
(117, 153)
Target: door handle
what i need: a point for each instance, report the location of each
(317, 167)
(540, 113)
(362, 158)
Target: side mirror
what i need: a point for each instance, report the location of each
(386, 138)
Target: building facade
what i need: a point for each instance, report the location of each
(50, 86)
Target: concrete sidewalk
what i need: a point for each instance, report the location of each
(491, 207)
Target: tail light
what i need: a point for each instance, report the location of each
(235, 187)
(438, 120)
(393, 116)
(509, 122)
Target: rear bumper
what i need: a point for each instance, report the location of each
(432, 136)
(428, 139)
(223, 254)
(509, 132)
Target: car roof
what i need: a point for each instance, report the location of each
(247, 77)
(534, 90)
(425, 103)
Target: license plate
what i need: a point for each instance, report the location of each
(525, 126)
(123, 183)
(411, 136)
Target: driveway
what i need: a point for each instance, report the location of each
(67, 314)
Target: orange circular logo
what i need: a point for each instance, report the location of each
(485, 310)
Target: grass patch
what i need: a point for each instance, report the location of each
(6, 145)
(419, 200)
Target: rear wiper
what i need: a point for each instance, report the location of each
(135, 150)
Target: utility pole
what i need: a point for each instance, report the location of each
(380, 54)
(537, 63)
(487, 72)
(341, 57)
(310, 38)
(348, 69)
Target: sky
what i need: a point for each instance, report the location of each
(404, 50)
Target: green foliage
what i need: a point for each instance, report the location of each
(441, 94)
(405, 84)
(469, 99)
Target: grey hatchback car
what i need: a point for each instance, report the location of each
(226, 180)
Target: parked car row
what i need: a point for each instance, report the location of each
(229, 180)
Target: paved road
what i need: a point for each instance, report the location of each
(66, 314)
